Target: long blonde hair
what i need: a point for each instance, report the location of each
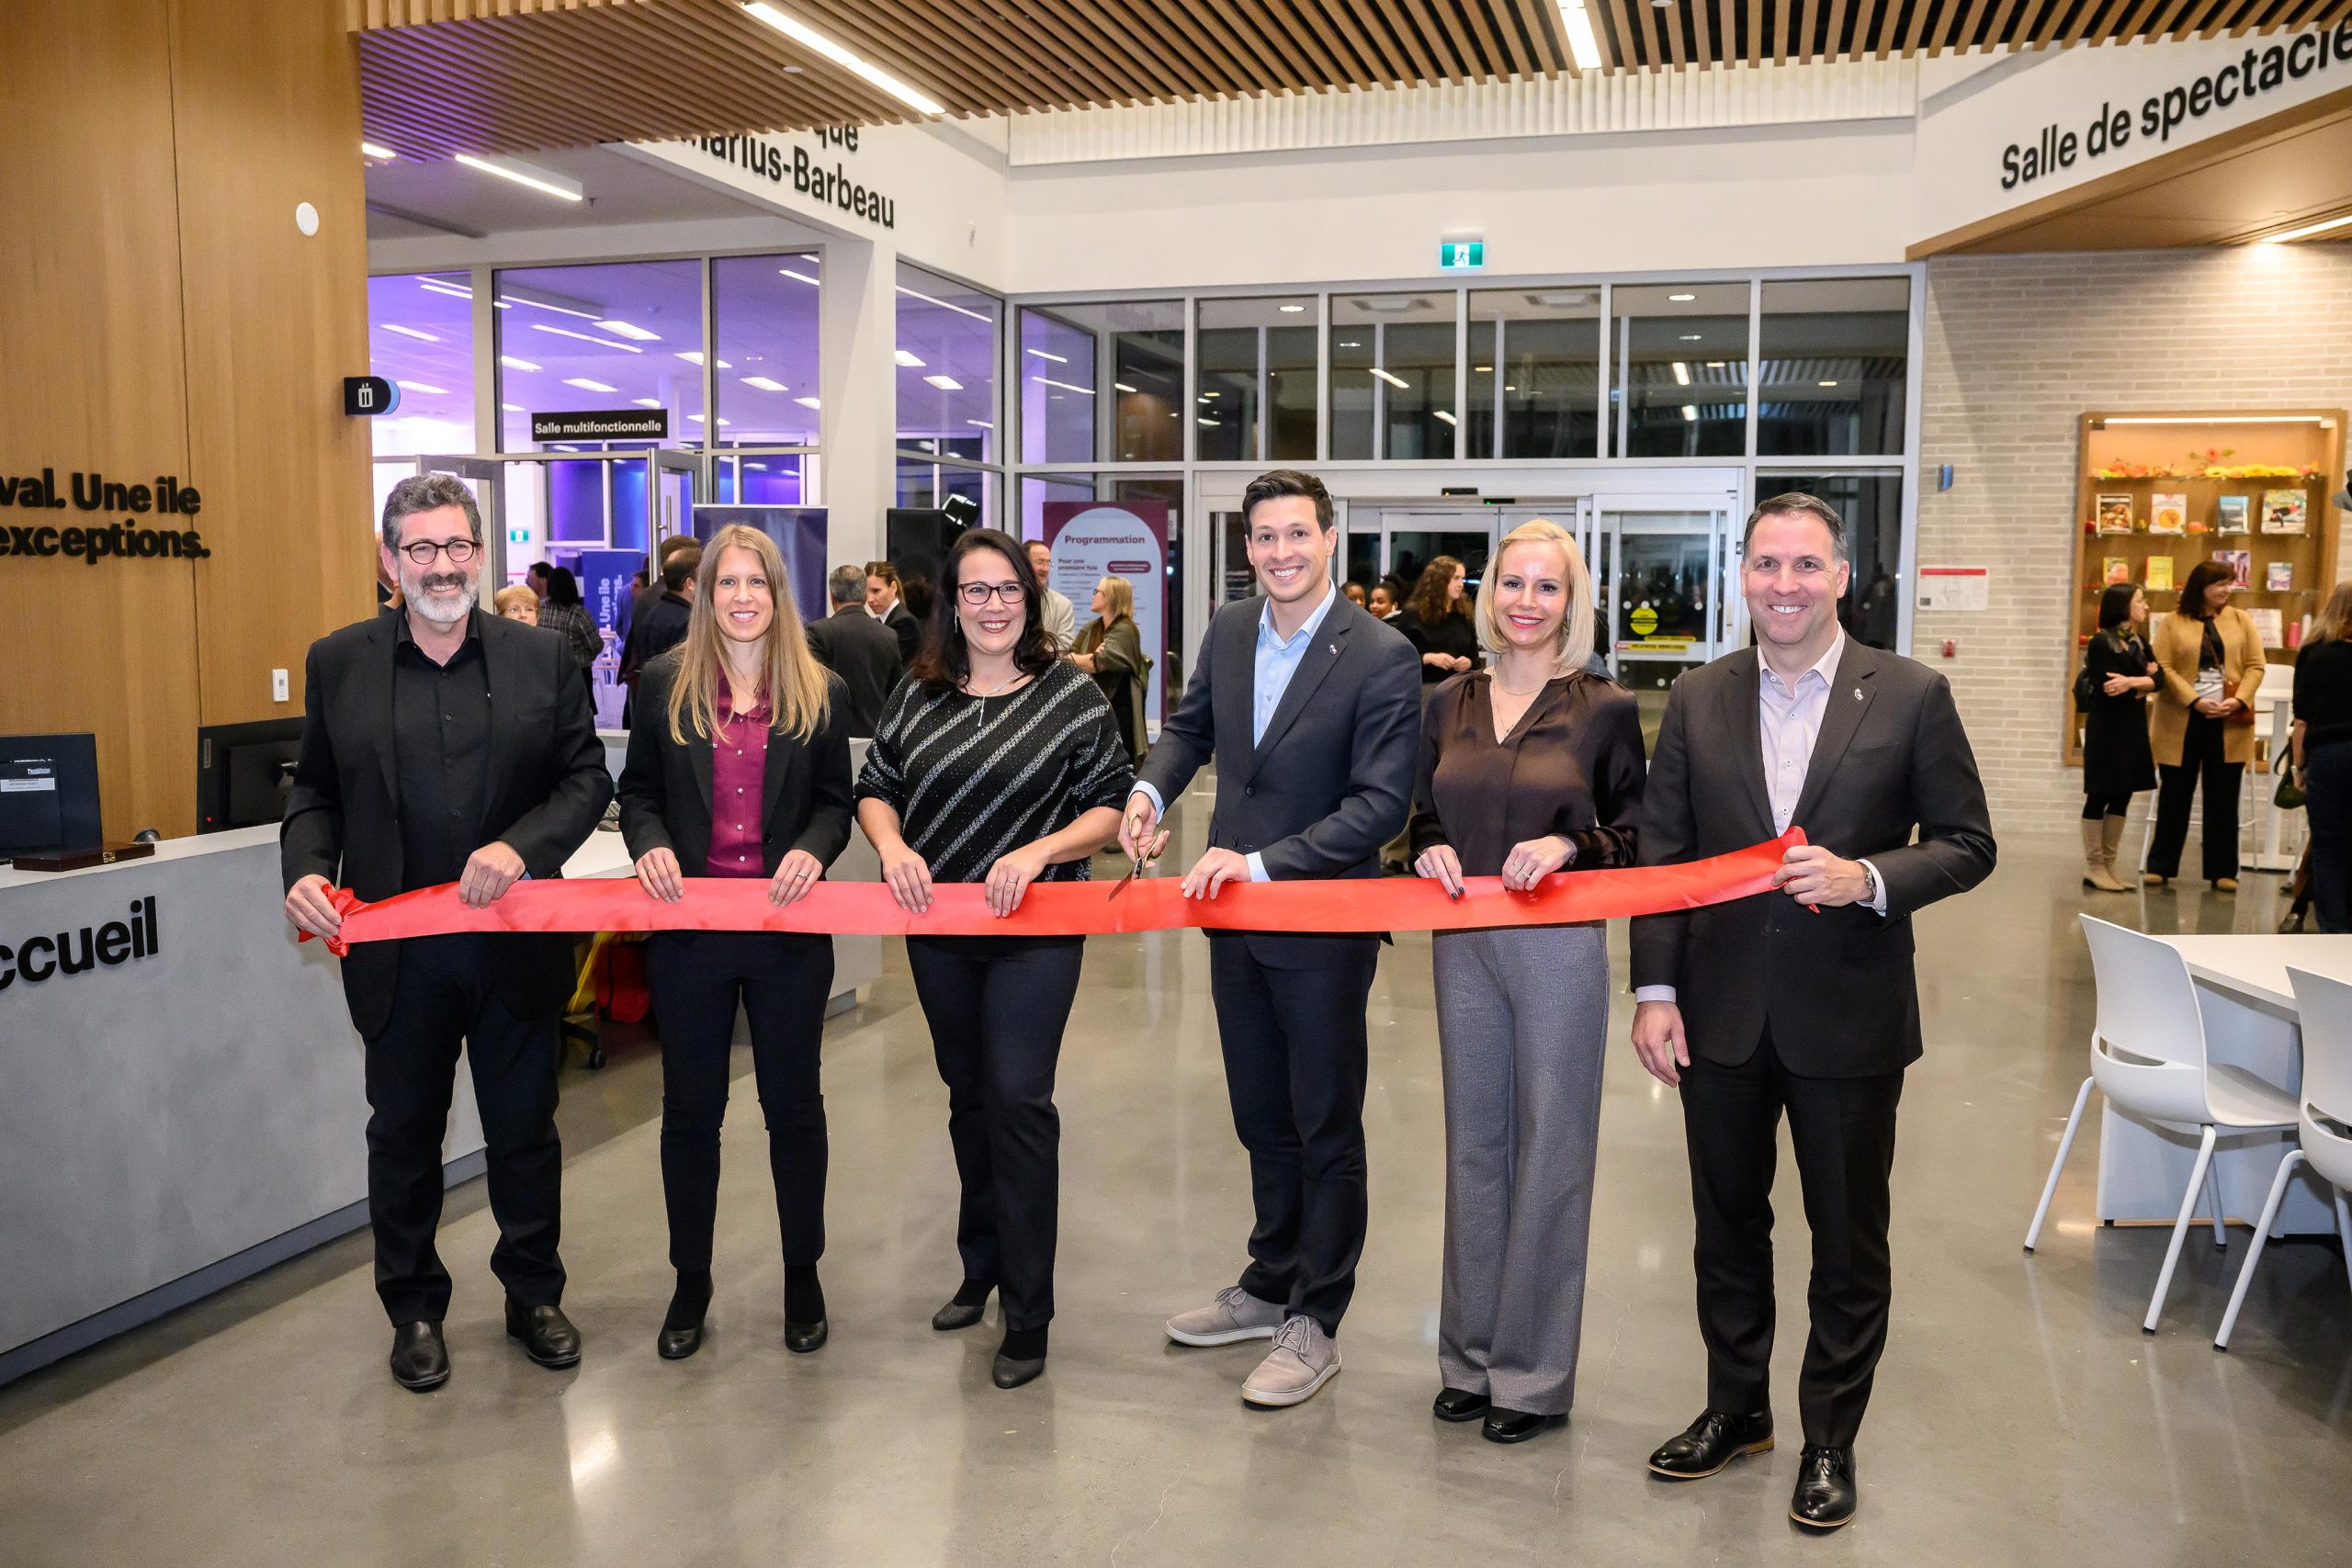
(791, 678)
(1118, 599)
(1576, 626)
(2334, 622)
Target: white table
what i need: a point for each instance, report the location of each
(2249, 1006)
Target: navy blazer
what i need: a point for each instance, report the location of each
(1332, 781)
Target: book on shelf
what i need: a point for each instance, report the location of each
(2117, 569)
(2279, 577)
(2241, 565)
(2168, 512)
(2159, 579)
(2231, 515)
(2283, 510)
(2269, 626)
(2114, 513)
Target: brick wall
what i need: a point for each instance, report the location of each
(2017, 348)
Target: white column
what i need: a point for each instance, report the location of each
(858, 333)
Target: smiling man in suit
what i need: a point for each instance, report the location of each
(1311, 710)
(1802, 1000)
(440, 744)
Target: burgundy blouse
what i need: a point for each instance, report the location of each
(739, 765)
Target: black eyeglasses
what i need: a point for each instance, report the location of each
(460, 551)
(976, 595)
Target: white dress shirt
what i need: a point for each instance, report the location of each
(1788, 723)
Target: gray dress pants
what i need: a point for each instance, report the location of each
(1523, 1024)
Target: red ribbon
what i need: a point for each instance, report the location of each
(1074, 909)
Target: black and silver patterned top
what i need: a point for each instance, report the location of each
(972, 777)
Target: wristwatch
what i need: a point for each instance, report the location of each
(1869, 883)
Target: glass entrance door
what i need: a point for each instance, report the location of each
(1664, 571)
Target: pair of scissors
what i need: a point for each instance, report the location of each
(1138, 864)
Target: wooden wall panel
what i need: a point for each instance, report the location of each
(268, 96)
(92, 378)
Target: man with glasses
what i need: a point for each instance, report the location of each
(441, 745)
(1802, 1000)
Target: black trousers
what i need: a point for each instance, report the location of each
(2327, 774)
(699, 980)
(2200, 755)
(2095, 807)
(1295, 1067)
(997, 1007)
(1843, 1131)
(446, 998)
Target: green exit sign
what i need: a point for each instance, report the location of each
(1461, 255)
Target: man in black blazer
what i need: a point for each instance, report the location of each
(882, 601)
(858, 649)
(440, 744)
(1802, 1000)
(1311, 709)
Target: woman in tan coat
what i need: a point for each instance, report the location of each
(2202, 722)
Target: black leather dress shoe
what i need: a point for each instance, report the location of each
(420, 1361)
(1516, 1426)
(802, 1337)
(1011, 1371)
(1825, 1496)
(677, 1344)
(960, 1312)
(1458, 1405)
(547, 1336)
(1710, 1442)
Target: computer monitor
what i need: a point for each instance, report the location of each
(48, 793)
(243, 772)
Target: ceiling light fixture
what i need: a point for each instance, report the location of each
(919, 294)
(421, 387)
(1828, 383)
(801, 33)
(913, 362)
(1690, 413)
(1680, 298)
(1208, 422)
(1583, 47)
(511, 363)
(799, 277)
(514, 408)
(1121, 387)
(543, 180)
(1693, 337)
(586, 337)
(1441, 413)
(2231, 419)
(630, 330)
(375, 150)
(982, 424)
(2308, 229)
(693, 356)
(1065, 386)
(1044, 353)
(517, 297)
(646, 403)
(585, 384)
(454, 290)
(1681, 374)
(806, 402)
(765, 384)
(1482, 369)
(1292, 309)
(411, 331)
(1394, 380)
(1350, 342)
(945, 383)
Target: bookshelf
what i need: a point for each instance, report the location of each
(2201, 463)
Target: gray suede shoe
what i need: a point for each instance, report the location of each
(1235, 1315)
(1303, 1360)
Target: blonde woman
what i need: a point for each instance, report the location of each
(1111, 650)
(516, 603)
(1529, 766)
(739, 766)
(2210, 666)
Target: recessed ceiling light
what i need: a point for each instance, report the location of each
(1681, 374)
(511, 363)
(693, 356)
(1441, 413)
(1715, 363)
(1482, 369)
(1293, 310)
(765, 384)
(1057, 358)
(699, 420)
(1350, 342)
(1690, 412)
(805, 403)
(1583, 47)
(1210, 421)
(1394, 380)
(585, 384)
(454, 290)
(1681, 298)
(1829, 383)
(1065, 386)
(646, 403)
(799, 277)
(421, 387)
(802, 33)
(984, 424)
(1122, 386)
(376, 150)
(910, 360)
(630, 330)
(514, 408)
(411, 332)
(945, 383)
(919, 294)
(541, 180)
(1207, 397)
(1693, 337)
(586, 337)
(518, 298)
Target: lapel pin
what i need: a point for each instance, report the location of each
(1858, 694)
(1332, 648)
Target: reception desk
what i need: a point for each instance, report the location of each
(182, 1112)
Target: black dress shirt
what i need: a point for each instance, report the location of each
(441, 737)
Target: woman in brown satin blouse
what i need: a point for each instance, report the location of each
(1529, 766)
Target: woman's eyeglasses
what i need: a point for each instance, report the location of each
(976, 595)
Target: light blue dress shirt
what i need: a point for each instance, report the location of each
(1278, 659)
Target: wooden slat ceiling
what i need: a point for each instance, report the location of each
(444, 76)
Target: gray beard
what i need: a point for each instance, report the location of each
(412, 592)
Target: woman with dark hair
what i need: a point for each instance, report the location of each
(2112, 693)
(997, 762)
(2210, 663)
(2322, 742)
(560, 610)
(1437, 622)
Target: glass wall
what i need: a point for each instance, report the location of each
(1393, 376)
(421, 338)
(623, 334)
(1102, 382)
(1036, 489)
(763, 316)
(1832, 355)
(1680, 353)
(1534, 373)
(946, 366)
(1257, 380)
(1872, 507)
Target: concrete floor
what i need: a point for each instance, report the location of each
(2020, 1416)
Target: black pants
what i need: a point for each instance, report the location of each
(2200, 753)
(1843, 1130)
(997, 1007)
(2327, 799)
(698, 979)
(2095, 807)
(446, 998)
(1294, 1067)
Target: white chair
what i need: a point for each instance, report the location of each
(2322, 1122)
(2148, 1059)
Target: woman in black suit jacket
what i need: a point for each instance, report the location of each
(740, 716)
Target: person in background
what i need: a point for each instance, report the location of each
(1354, 591)
(1437, 622)
(2212, 665)
(560, 610)
(882, 604)
(1385, 602)
(997, 763)
(646, 595)
(858, 649)
(516, 603)
(1061, 615)
(1111, 650)
(405, 781)
(664, 624)
(1527, 767)
(2118, 674)
(738, 767)
(535, 579)
(2322, 750)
